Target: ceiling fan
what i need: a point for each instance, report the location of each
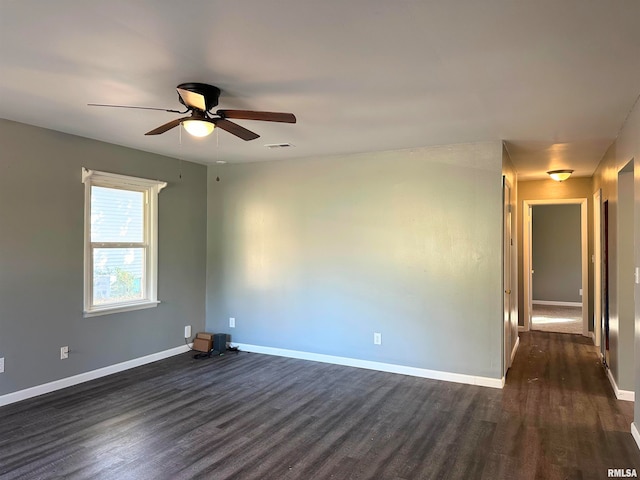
(199, 99)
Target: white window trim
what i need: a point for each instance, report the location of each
(153, 188)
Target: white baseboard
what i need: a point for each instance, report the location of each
(620, 394)
(380, 366)
(515, 349)
(85, 377)
(522, 328)
(556, 304)
(635, 434)
(593, 337)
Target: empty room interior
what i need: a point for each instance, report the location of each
(214, 264)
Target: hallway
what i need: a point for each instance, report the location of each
(560, 417)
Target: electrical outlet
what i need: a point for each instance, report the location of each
(232, 322)
(187, 331)
(580, 292)
(64, 353)
(377, 338)
(2, 365)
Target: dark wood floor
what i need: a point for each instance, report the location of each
(250, 416)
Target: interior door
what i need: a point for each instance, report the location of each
(506, 255)
(605, 282)
(597, 263)
(529, 271)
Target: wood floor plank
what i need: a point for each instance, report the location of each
(250, 416)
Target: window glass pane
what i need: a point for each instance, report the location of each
(116, 215)
(118, 275)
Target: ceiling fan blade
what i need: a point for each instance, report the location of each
(133, 106)
(236, 129)
(167, 126)
(192, 99)
(252, 115)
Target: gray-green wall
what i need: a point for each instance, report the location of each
(318, 254)
(556, 253)
(41, 257)
(311, 255)
(618, 176)
(621, 325)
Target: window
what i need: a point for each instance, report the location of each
(121, 236)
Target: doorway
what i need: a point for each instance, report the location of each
(597, 267)
(556, 269)
(582, 319)
(605, 282)
(621, 282)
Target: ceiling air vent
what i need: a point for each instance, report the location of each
(278, 145)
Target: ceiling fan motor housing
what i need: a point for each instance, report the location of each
(210, 93)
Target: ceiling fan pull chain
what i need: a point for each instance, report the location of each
(180, 143)
(217, 153)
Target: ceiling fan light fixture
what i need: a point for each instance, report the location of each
(198, 128)
(199, 99)
(560, 175)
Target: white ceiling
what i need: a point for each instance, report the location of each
(555, 79)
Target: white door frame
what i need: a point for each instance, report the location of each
(597, 267)
(507, 299)
(526, 264)
(526, 253)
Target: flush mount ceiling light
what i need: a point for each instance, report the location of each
(198, 128)
(560, 175)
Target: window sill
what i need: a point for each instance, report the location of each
(96, 312)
